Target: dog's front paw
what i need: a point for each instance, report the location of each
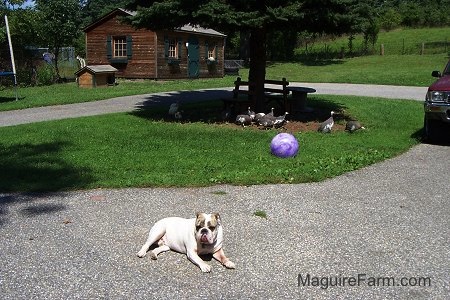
(230, 265)
(142, 253)
(153, 255)
(205, 268)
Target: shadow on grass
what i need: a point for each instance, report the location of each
(195, 106)
(183, 97)
(7, 99)
(320, 62)
(206, 106)
(321, 110)
(310, 62)
(36, 168)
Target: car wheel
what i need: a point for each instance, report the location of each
(429, 129)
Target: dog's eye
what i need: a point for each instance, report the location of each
(197, 228)
(212, 228)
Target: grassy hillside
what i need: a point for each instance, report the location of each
(410, 70)
(396, 42)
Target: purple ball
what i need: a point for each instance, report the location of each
(284, 145)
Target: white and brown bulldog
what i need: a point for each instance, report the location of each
(196, 236)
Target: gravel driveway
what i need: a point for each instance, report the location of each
(362, 235)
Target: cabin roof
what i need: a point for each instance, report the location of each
(199, 29)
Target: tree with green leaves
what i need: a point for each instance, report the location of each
(22, 30)
(59, 25)
(257, 17)
(92, 10)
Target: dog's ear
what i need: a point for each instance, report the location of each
(217, 216)
(200, 219)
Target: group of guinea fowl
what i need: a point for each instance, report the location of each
(327, 125)
(261, 119)
(271, 121)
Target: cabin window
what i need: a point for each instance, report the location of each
(212, 53)
(120, 46)
(173, 49)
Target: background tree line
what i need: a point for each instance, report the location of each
(59, 23)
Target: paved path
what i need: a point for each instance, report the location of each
(386, 224)
(130, 103)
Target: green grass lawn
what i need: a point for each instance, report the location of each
(142, 150)
(409, 70)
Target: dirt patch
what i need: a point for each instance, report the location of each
(304, 122)
(213, 114)
(292, 126)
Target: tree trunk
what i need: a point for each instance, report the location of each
(56, 51)
(243, 48)
(257, 73)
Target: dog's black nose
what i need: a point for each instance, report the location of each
(204, 231)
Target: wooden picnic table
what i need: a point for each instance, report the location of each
(299, 97)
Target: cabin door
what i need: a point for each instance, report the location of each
(193, 57)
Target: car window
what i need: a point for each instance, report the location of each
(447, 69)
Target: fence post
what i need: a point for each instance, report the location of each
(422, 51)
(382, 49)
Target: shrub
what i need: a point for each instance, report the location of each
(45, 75)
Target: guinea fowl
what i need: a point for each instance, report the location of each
(227, 113)
(243, 120)
(280, 121)
(251, 113)
(266, 122)
(174, 107)
(178, 115)
(352, 126)
(258, 117)
(325, 127)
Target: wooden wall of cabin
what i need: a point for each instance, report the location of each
(141, 64)
(167, 69)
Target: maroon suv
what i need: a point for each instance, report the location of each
(437, 104)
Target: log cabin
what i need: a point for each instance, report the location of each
(186, 52)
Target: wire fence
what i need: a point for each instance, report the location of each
(398, 47)
(404, 47)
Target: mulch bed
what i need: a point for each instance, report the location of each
(303, 122)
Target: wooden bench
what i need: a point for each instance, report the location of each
(273, 89)
(237, 103)
(231, 67)
(277, 91)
